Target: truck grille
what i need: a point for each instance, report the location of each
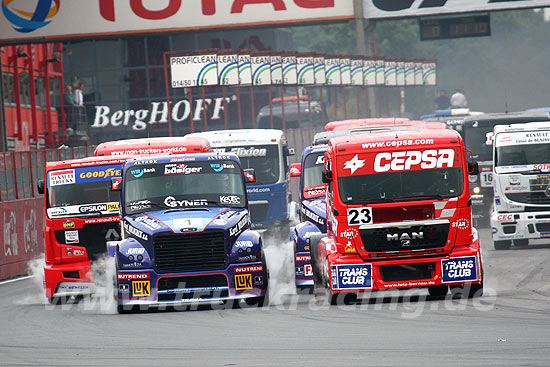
(258, 212)
(536, 197)
(405, 239)
(93, 237)
(190, 252)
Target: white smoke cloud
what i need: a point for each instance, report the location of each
(103, 299)
(279, 255)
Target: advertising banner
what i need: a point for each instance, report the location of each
(305, 70)
(245, 70)
(194, 71)
(290, 70)
(369, 71)
(276, 69)
(320, 70)
(261, 70)
(228, 69)
(333, 71)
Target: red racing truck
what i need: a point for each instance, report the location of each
(398, 216)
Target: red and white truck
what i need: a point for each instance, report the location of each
(398, 216)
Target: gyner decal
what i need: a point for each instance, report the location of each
(135, 232)
(171, 202)
(180, 169)
(351, 276)
(459, 269)
(414, 160)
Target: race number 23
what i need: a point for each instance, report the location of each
(358, 216)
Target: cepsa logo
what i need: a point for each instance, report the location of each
(208, 7)
(414, 160)
(28, 16)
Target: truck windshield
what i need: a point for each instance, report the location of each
(401, 186)
(521, 155)
(312, 175)
(264, 159)
(475, 139)
(181, 185)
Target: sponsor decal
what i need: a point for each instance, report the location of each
(124, 288)
(147, 221)
(135, 251)
(248, 269)
(135, 232)
(133, 276)
(55, 212)
(235, 230)
(505, 217)
(247, 258)
(349, 248)
(314, 191)
(243, 281)
(350, 233)
(249, 152)
(308, 270)
(106, 173)
(68, 224)
(459, 269)
(244, 244)
(78, 253)
(461, 224)
(257, 190)
(410, 160)
(219, 222)
(112, 207)
(28, 21)
(65, 177)
(218, 167)
(187, 222)
(138, 172)
(359, 216)
(133, 265)
(320, 160)
(351, 276)
(354, 164)
(258, 280)
(139, 205)
(171, 202)
(141, 288)
(300, 258)
(404, 238)
(98, 208)
(180, 169)
(230, 199)
(71, 237)
(249, 176)
(311, 215)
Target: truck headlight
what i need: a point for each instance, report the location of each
(477, 190)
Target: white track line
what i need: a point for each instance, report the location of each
(15, 280)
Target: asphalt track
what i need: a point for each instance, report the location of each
(508, 326)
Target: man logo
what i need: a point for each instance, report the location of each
(141, 288)
(405, 238)
(26, 21)
(243, 281)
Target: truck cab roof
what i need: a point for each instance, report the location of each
(376, 121)
(87, 162)
(241, 137)
(161, 145)
(528, 126)
(491, 119)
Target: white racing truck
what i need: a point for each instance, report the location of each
(521, 158)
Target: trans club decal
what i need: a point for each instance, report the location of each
(351, 276)
(459, 269)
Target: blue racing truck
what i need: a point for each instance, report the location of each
(266, 151)
(186, 236)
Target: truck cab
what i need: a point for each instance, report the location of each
(186, 233)
(398, 216)
(521, 184)
(154, 146)
(266, 151)
(82, 215)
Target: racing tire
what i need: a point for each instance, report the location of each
(342, 299)
(122, 310)
(502, 245)
(521, 243)
(438, 291)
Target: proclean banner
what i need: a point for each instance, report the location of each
(379, 9)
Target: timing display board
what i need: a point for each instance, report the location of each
(456, 27)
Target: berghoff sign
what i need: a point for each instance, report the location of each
(158, 113)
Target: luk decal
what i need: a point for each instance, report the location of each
(71, 237)
(243, 281)
(350, 233)
(138, 172)
(239, 226)
(141, 288)
(248, 269)
(218, 167)
(459, 269)
(139, 205)
(354, 164)
(230, 199)
(135, 232)
(180, 169)
(65, 177)
(414, 160)
(133, 276)
(351, 276)
(171, 202)
(68, 224)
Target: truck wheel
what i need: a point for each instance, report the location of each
(475, 290)
(256, 301)
(342, 298)
(121, 309)
(521, 243)
(438, 290)
(502, 245)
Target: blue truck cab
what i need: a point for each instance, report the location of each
(266, 151)
(186, 236)
(313, 216)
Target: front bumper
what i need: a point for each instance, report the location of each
(349, 273)
(147, 287)
(63, 280)
(526, 225)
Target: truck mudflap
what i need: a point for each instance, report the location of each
(352, 274)
(147, 287)
(299, 236)
(304, 271)
(63, 280)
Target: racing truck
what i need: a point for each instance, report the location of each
(186, 236)
(266, 151)
(521, 183)
(81, 216)
(398, 216)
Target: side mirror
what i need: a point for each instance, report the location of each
(295, 169)
(249, 176)
(289, 151)
(115, 184)
(473, 168)
(40, 187)
(327, 177)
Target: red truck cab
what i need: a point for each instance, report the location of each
(152, 146)
(398, 216)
